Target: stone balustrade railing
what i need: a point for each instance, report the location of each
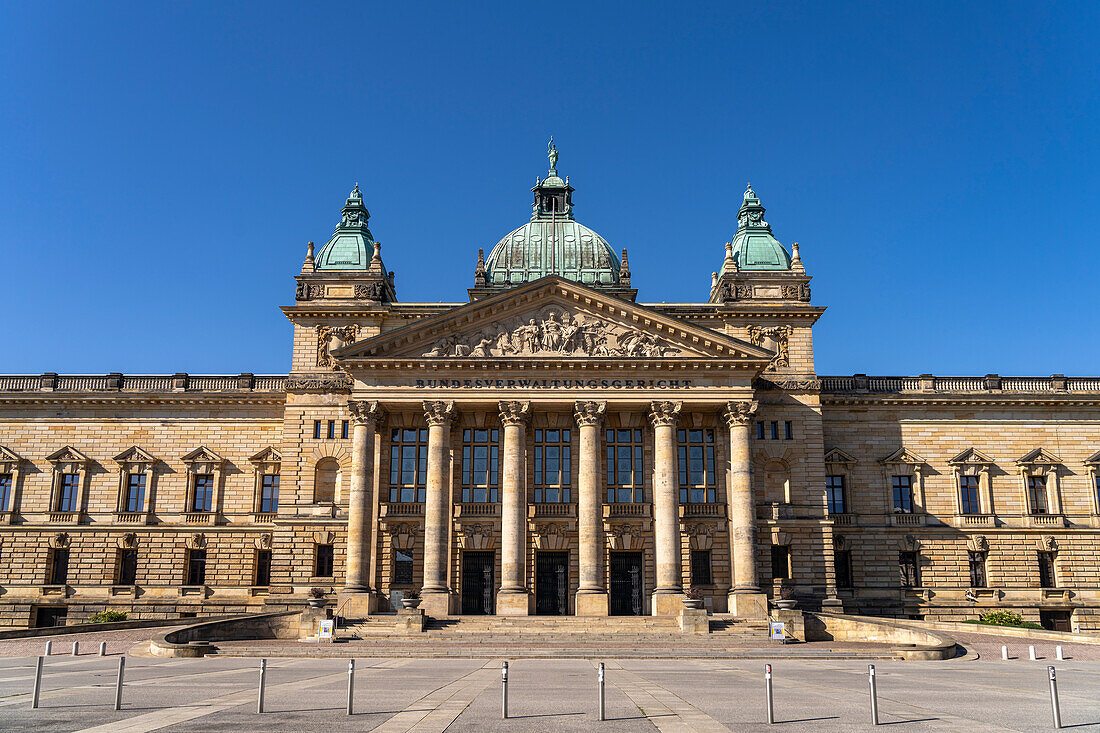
(180, 382)
(989, 384)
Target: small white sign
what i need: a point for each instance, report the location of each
(325, 632)
(778, 629)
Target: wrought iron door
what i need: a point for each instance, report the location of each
(552, 583)
(626, 584)
(477, 582)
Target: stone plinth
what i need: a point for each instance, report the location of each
(357, 605)
(667, 604)
(309, 622)
(410, 621)
(592, 604)
(694, 621)
(794, 623)
(436, 604)
(513, 604)
(749, 605)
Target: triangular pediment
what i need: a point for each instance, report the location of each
(1093, 460)
(1039, 457)
(68, 454)
(135, 454)
(836, 455)
(903, 455)
(202, 454)
(553, 318)
(7, 455)
(972, 456)
(267, 455)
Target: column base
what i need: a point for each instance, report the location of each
(749, 605)
(667, 604)
(592, 603)
(357, 604)
(514, 603)
(832, 604)
(436, 603)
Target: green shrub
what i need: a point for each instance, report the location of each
(107, 617)
(1002, 617)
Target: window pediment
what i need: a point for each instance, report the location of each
(68, 455)
(1093, 460)
(838, 457)
(1040, 457)
(971, 457)
(135, 455)
(9, 460)
(903, 456)
(267, 456)
(202, 459)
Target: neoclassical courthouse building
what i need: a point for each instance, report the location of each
(550, 446)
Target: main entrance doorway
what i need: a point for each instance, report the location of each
(552, 583)
(626, 584)
(477, 581)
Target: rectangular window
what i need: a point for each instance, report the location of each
(344, 430)
(480, 466)
(842, 565)
(775, 431)
(402, 567)
(1037, 495)
(269, 493)
(126, 567)
(910, 569)
(196, 567)
(70, 489)
(1047, 577)
(316, 429)
(977, 569)
(331, 429)
(408, 464)
(263, 568)
(788, 430)
(781, 561)
(323, 566)
(134, 501)
(624, 467)
(759, 430)
(969, 498)
(700, 568)
(834, 495)
(697, 482)
(58, 570)
(203, 499)
(5, 491)
(903, 494)
(552, 467)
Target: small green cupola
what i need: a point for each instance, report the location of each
(351, 245)
(754, 247)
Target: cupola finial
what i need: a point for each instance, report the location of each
(624, 271)
(552, 154)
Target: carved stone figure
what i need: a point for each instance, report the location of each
(773, 338)
(330, 338)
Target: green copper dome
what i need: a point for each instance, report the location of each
(754, 247)
(351, 246)
(552, 243)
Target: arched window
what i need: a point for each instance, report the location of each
(326, 481)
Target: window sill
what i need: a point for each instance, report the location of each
(1045, 520)
(259, 590)
(54, 590)
(7, 517)
(264, 517)
(702, 509)
(843, 520)
(123, 590)
(975, 520)
(907, 520)
(640, 510)
(401, 509)
(477, 510)
(131, 517)
(198, 518)
(194, 590)
(551, 510)
(65, 517)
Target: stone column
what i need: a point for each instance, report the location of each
(745, 598)
(513, 598)
(591, 593)
(437, 515)
(666, 509)
(365, 415)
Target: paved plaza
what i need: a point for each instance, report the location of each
(393, 695)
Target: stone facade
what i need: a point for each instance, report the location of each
(550, 446)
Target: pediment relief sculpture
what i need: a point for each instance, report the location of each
(330, 338)
(554, 331)
(773, 338)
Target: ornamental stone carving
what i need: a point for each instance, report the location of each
(1047, 543)
(589, 412)
(773, 338)
(330, 338)
(554, 332)
(365, 412)
(403, 535)
(370, 291)
(663, 413)
(625, 537)
(439, 412)
(739, 413)
(308, 291)
(197, 541)
(334, 383)
(978, 543)
(800, 292)
(909, 543)
(127, 541)
(60, 541)
(325, 537)
(476, 536)
(514, 412)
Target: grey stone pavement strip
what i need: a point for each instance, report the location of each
(400, 695)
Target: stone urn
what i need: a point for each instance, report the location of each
(317, 602)
(410, 603)
(786, 604)
(693, 603)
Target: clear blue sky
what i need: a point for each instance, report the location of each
(162, 165)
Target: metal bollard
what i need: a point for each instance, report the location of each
(599, 690)
(37, 681)
(118, 684)
(768, 693)
(1004, 652)
(49, 648)
(102, 648)
(1054, 698)
(874, 693)
(1058, 653)
(263, 681)
(76, 648)
(504, 690)
(1031, 652)
(351, 684)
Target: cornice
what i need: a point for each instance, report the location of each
(131, 398)
(496, 364)
(941, 400)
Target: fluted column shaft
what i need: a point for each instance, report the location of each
(666, 499)
(589, 416)
(742, 509)
(513, 498)
(439, 416)
(365, 414)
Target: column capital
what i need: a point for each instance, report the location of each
(514, 412)
(740, 412)
(664, 413)
(366, 412)
(589, 412)
(439, 412)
